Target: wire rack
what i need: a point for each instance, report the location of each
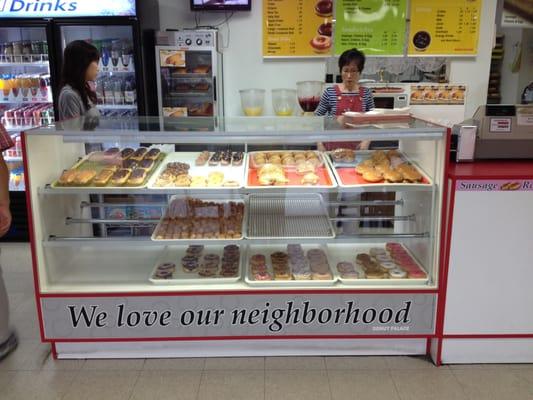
(285, 217)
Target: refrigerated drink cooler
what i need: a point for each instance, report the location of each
(189, 73)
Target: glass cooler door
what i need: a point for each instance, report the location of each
(116, 83)
(186, 83)
(26, 96)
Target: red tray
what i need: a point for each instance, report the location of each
(350, 177)
(293, 177)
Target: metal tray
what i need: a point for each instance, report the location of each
(180, 277)
(230, 172)
(288, 217)
(267, 250)
(347, 252)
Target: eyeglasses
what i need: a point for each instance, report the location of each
(350, 71)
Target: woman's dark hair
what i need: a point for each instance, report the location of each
(352, 55)
(77, 57)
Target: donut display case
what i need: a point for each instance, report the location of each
(230, 265)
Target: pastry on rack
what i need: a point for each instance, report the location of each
(202, 158)
(225, 158)
(343, 155)
(137, 177)
(120, 177)
(198, 181)
(182, 180)
(126, 153)
(237, 158)
(215, 159)
(129, 163)
(392, 175)
(147, 164)
(152, 154)
(67, 177)
(103, 177)
(139, 154)
(409, 173)
(215, 178)
(270, 174)
(371, 175)
(84, 177)
(305, 167)
(310, 179)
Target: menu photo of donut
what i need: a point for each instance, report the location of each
(172, 58)
(321, 42)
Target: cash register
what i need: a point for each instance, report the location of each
(494, 132)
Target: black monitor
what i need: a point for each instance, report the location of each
(221, 5)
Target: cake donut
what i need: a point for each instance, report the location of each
(397, 273)
(321, 43)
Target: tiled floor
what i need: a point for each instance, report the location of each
(31, 373)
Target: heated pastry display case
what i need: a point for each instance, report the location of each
(254, 236)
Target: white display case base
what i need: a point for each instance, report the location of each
(242, 348)
(474, 351)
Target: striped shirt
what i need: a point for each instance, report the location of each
(328, 101)
(5, 140)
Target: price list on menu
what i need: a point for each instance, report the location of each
(297, 28)
(444, 27)
(374, 27)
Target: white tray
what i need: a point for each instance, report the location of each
(174, 254)
(348, 252)
(244, 224)
(365, 154)
(267, 250)
(230, 172)
(277, 187)
(157, 162)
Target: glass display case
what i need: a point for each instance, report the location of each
(229, 210)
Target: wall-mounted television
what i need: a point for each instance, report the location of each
(221, 5)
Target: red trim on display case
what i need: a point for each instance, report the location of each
(496, 169)
(489, 336)
(445, 226)
(54, 350)
(31, 231)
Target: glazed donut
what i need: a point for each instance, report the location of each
(321, 43)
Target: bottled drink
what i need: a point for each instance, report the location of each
(115, 52)
(26, 51)
(17, 52)
(105, 54)
(118, 93)
(8, 51)
(100, 95)
(126, 54)
(108, 91)
(130, 94)
(43, 85)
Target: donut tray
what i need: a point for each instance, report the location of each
(87, 163)
(185, 240)
(348, 252)
(288, 217)
(347, 177)
(235, 173)
(174, 255)
(267, 250)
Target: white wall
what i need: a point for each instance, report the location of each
(474, 71)
(244, 66)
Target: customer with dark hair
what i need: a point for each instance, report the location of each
(349, 95)
(80, 66)
(8, 338)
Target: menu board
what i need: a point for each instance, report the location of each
(444, 27)
(374, 27)
(297, 28)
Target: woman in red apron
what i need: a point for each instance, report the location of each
(348, 96)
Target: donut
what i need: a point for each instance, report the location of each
(389, 265)
(262, 276)
(302, 275)
(325, 29)
(322, 276)
(397, 273)
(324, 8)
(321, 43)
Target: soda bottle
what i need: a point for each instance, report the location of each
(105, 54)
(118, 93)
(126, 54)
(115, 52)
(130, 95)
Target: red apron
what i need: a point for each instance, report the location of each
(346, 102)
